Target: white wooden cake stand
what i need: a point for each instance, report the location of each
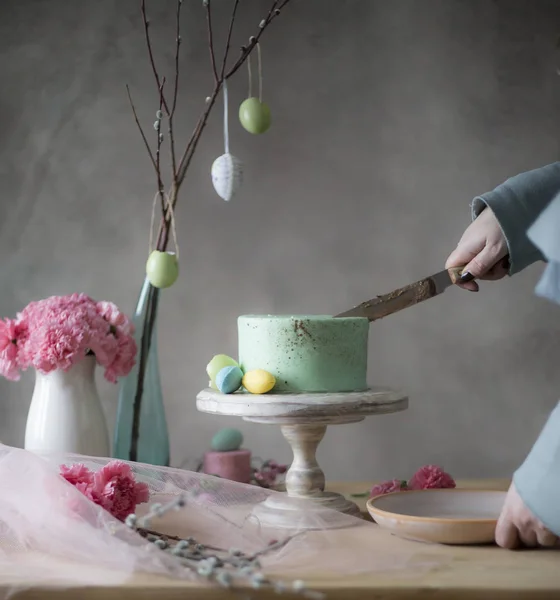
(303, 419)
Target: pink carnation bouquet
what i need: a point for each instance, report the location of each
(60, 331)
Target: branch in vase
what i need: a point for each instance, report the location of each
(180, 170)
(211, 39)
(275, 10)
(140, 128)
(146, 22)
(147, 332)
(228, 42)
(157, 124)
(175, 90)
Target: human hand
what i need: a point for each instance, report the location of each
(483, 249)
(518, 526)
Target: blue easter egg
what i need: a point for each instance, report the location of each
(227, 440)
(228, 379)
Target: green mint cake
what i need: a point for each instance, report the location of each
(306, 353)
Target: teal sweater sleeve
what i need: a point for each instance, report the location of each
(538, 479)
(517, 203)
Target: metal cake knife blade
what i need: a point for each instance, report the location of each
(388, 304)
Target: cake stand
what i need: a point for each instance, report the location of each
(303, 420)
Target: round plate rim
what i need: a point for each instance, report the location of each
(447, 520)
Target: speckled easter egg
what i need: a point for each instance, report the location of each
(217, 363)
(227, 176)
(254, 115)
(227, 440)
(228, 380)
(258, 381)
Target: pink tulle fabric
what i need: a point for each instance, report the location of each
(51, 533)
(58, 332)
(112, 487)
(428, 477)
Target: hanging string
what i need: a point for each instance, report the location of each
(250, 92)
(259, 70)
(226, 126)
(259, 67)
(169, 211)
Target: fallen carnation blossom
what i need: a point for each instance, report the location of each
(387, 487)
(112, 487)
(428, 477)
(431, 477)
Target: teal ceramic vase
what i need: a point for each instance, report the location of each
(152, 446)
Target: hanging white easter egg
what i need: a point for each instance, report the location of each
(227, 176)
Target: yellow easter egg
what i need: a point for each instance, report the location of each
(258, 381)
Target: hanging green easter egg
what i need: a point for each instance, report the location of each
(162, 269)
(227, 440)
(254, 115)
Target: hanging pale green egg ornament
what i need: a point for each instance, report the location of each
(254, 116)
(162, 269)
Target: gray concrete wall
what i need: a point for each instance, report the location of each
(388, 118)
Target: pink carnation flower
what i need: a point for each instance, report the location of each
(8, 350)
(431, 477)
(115, 489)
(76, 474)
(111, 313)
(124, 359)
(387, 487)
(112, 487)
(7, 334)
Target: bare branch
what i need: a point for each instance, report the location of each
(211, 39)
(177, 47)
(228, 42)
(179, 171)
(175, 90)
(150, 52)
(184, 163)
(140, 128)
(274, 12)
(161, 187)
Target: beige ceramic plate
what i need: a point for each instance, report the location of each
(454, 516)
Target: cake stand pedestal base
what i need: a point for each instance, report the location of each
(303, 420)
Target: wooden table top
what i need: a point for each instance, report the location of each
(459, 573)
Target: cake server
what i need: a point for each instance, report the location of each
(414, 293)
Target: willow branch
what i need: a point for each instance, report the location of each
(175, 89)
(158, 150)
(211, 39)
(274, 12)
(150, 51)
(228, 41)
(140, 129)
(275, 9)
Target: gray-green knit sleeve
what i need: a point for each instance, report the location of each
(517, 203)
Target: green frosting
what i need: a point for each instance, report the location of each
(306, 353)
